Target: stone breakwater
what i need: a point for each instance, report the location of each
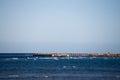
(77, 54)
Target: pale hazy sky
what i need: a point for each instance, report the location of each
(60, 26)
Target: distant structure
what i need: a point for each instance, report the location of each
(76, 55)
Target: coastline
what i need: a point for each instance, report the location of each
(77, 54)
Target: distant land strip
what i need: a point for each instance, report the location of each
(77, 54)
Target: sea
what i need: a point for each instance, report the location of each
(25, 66)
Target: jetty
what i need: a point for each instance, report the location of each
(77, 54)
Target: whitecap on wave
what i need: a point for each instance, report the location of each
(11, 58)
(14, 58)
(46, 58)
(32, 58)
(55, 58)
(76, 58)
(37, 58)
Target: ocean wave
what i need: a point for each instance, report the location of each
(11, 58)
(37, 58)
(54, 58)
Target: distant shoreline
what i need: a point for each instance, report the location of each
(77, 54)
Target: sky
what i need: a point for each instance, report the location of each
(75, 26)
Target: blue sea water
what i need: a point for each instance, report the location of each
(24, 66)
